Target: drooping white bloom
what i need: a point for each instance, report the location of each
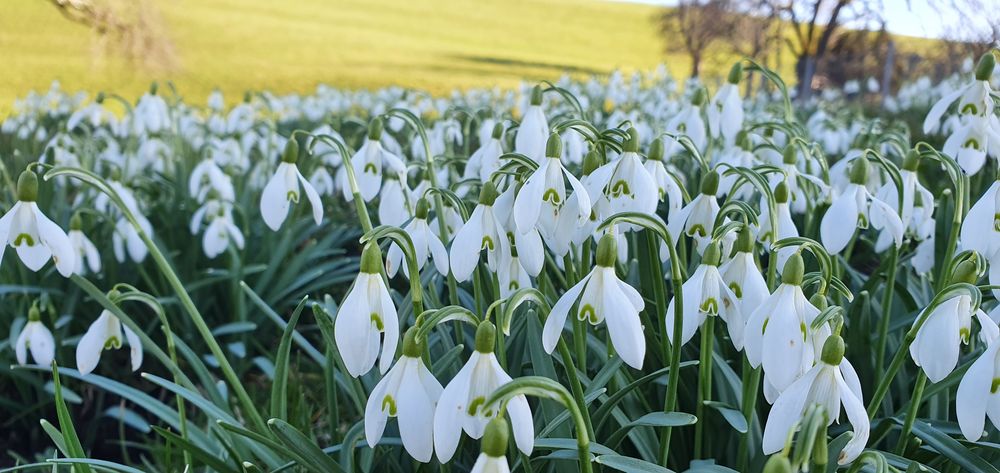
(705, 294)
(602, 298)
(396, 201)
(742, 276)
(367, 319)
(725, 112)
(978, 395)
(104, 334)
(126, 242)
(688, 122)
(667, 182)
(221, 229)
(972, 140)
(783, 219)
(542, 198)
(974, 98)
(533, 130)
(283, 189)
(87, 256)
(151, 114)
(462, 404)
(35, 238)
(485, 160)
(623, 185)
(36, 338)
(831, 383)
(854, 208)
(779, 334)
(949, 325)
(370, 163)
(410, 393)
(208, 177)
(483, 231)
(697, 218)
(527, 246)
(425, 244)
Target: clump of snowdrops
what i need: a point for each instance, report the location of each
(590, 276)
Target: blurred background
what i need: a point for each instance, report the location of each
(440, 45)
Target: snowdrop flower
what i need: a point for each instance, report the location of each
(602, 298)
(972, 140)
(462, 404)
(688, 122)
(370, 162)
(978, 395)
(668, 184)
(366, 315)
(779, 333)
(948, 325)
(527, 247)
(974, 98)
(86, 253)
(624, 184)
(855, 208)
(783, 219)
(697, 218)
(221, 229)
(725, 112)
(126, 242)
(493, 458)
(36, 338)
(283, 188)
(533, 131)
(831, 383)
(32, 234)
(483, 231)
(104, 334)
(425, 244)
(395, 202)
(151, 114)
(206, 177)
(543, 195)
(707, 294)
(486, 160)
(410, 393)
(745, 280)
(912, 215)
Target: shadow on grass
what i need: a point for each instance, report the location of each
(570, 69)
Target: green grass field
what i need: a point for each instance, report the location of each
(291, 46)
(438, 45)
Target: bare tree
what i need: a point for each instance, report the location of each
(692, 26)
(130, 28)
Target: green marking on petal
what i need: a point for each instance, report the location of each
(112, 342)
(710, 306)
(970, 108)
(964, 333)
(763, 327)
(995, 386)
(971, 143)
(378, 322)
(620, 188)
(552, 196)
(737, 290)
(389, 405)
(25, 239)
(487, 243)
(292, 196)
(370, 168)
(475, 405)
(697, 230)
(804, 330)
(587, 312)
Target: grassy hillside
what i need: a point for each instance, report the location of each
(293, 45)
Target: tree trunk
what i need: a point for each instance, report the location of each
(695, 65)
